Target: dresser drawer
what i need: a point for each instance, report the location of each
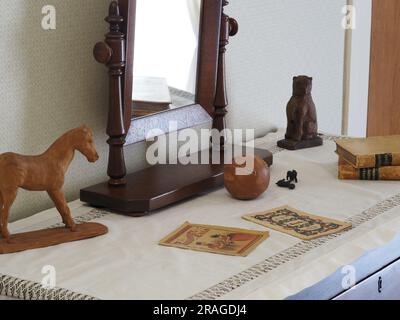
(384, 285)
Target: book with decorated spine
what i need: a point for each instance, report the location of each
(348, 172)
(373, 152)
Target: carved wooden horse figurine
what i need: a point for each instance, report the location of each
(43, 173)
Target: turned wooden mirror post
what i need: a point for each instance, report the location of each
(229, 28)
(112, 53)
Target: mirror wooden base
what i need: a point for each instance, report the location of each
(159, 186)
(50, 237)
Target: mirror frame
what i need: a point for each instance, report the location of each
(207, 64)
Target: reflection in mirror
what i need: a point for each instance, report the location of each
(166, 51)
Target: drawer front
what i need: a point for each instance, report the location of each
(384, 285)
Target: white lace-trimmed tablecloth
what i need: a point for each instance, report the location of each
(127, 263)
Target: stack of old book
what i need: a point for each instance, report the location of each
(150, 95)
(375, 158)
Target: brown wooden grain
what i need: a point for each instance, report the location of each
(50, 237)
(160, 186)
(384, 92)
(229, 27)
(302, 124)
(112, 52)
(247, 186)
(128, 12)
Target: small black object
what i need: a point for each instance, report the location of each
(286, 184)
(292, 176)
(380, 285)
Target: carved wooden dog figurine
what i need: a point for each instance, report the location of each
(301, 111)
(302, 129)
(43, 173)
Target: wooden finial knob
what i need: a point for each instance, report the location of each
(113, 9)
(102, 52)
(114, 18)
(233, 27)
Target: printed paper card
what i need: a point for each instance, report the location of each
(298, 223)
(215, 239)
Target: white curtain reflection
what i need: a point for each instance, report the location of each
(194, 7)
(166, 44)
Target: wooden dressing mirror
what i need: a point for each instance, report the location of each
(160, 71)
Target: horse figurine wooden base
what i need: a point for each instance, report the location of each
(45, 173)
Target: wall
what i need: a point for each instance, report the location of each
(279, 39)
(359, 70)
(50, 82)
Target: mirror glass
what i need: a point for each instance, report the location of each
(166, 54)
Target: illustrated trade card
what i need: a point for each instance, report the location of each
(215, 239)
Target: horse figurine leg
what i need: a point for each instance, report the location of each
(7, 200)
(61, 204)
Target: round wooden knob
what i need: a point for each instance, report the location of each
(233, 27)
(102, 52)
(247, 177)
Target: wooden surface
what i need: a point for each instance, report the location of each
(159, 186)
(384, 92)
(50, 237)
